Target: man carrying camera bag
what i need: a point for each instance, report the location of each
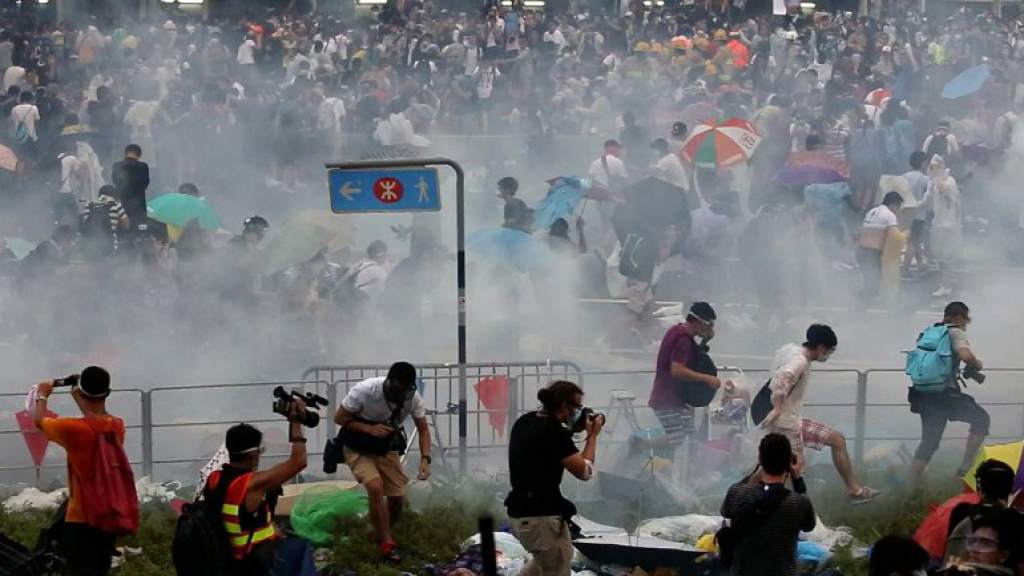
(935, 394)
(372, 441)
(540, 449)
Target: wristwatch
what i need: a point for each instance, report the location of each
(427, 458)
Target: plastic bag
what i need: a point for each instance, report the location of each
(683, 529)
(830, 538)
(317, 512)
(812, 553)
(504, 543)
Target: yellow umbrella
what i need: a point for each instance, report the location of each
(1010, 453)
(339, 227)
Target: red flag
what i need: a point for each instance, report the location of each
(493, 393)
(34, 438)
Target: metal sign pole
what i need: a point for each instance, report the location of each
(460, 227)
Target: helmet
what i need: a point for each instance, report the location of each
(257, 224)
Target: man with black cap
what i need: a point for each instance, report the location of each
(87, 549)
(373, 440)
(680, 383)
(790, 378)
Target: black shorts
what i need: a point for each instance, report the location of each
(88, 551)
(937, 409)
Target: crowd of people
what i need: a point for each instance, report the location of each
(200, 104)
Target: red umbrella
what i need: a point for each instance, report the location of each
(932, 532)
(724, 144)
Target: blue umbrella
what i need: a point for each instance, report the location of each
(511, 247)
(967, 82)
(561, 202)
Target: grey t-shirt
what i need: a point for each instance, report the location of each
(957, 341)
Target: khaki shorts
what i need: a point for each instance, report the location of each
(547, 539)
(368, 467)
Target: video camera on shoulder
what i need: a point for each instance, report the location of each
(283, 400)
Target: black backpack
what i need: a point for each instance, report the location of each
(201, 546)
(939, 145)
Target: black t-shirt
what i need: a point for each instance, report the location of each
(537, 446)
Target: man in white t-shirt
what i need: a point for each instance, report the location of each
(24, 117)
(373, 412)
(609, 171)
(919, 183)
(668, 166)
(245, 54)
(874, 231)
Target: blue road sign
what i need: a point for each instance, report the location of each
(384, 189)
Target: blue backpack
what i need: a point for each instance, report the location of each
(930, 365)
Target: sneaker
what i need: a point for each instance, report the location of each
(864, 496)
(942, 291)
(389, 552)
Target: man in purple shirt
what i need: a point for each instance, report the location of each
(676, 383)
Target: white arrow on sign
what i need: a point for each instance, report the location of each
(347, 190)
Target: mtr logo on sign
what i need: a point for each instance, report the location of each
(384, 190)
(388, 190)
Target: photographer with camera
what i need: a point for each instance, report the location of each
(935, 392)
(247, 497)
(540, 449)
(102, 503)
(766, 518)
(372, 441)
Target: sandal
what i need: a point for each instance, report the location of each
(864, 496)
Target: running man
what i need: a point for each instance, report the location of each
(791, 375)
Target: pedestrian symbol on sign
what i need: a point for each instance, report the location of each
(388, 190)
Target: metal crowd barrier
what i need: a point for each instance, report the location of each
(871, 402)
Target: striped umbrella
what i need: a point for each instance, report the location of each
(720, 145)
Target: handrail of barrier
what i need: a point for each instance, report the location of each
(148, 424)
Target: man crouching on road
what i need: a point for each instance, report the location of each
(373, 440)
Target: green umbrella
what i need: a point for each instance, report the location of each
(178, 209)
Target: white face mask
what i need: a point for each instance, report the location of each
(825, 356)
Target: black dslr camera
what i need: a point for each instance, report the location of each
(69, 382)
(972, 373)
(283, 398)
(587, 415)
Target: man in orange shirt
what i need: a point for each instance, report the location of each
(88, 551)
